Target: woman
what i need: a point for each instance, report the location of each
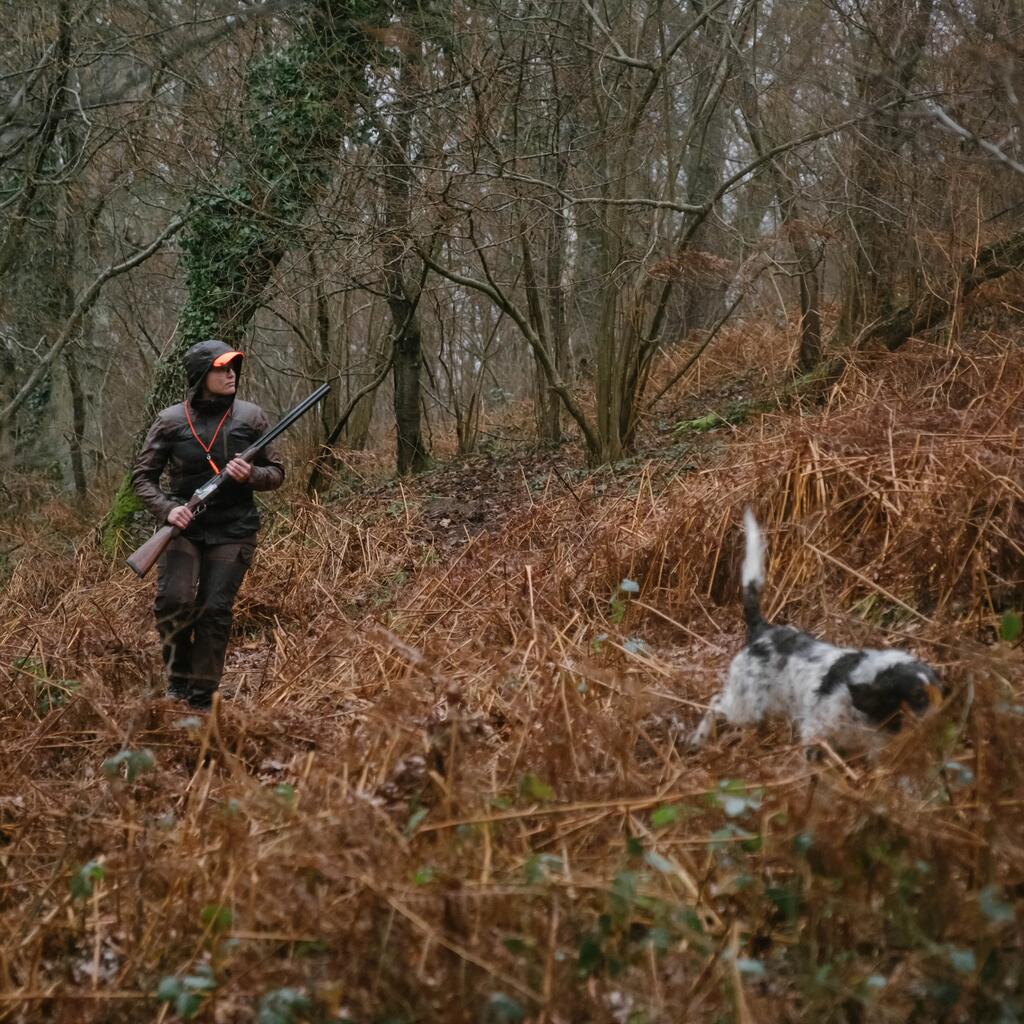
(201, 570)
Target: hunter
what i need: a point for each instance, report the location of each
(200, 572)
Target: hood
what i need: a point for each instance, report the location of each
(198, 360)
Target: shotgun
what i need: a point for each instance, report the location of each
(144, 558)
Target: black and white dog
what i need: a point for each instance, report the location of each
(826, 690)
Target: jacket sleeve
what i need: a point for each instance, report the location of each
(147, 469)
(268, 467)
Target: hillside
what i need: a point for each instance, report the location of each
(445, 783)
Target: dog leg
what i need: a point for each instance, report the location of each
(707, 724)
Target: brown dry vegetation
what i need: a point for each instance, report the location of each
(446, 786)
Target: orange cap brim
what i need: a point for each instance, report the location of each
(228, 357)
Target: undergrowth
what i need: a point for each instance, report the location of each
(447, 784)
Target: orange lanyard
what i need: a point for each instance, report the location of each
(206, 447)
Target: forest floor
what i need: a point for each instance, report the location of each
(445, 782)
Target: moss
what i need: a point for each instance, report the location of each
(121, 521)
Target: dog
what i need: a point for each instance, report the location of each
(827, 691)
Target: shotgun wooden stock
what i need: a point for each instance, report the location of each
(144, 558)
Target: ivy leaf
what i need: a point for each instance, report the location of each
(658, 862)
(187, 1004)
(281, 1005)
(135, 762)
(802, 843)
(502, 1008)
(994, 907)
(734, 806)
(750, 967)
(963, 960)
(591, 957)
(540, 865)
(168, 989)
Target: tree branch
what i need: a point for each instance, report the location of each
(84, 304)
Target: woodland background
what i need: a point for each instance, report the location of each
(450, 207)
(588, 278)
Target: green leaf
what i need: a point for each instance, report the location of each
(201, 981)
(502, 1008)
(963, 960)
(734, 806)
(994, 907)
(281, 1005)
(218, 919)
(285, 792)
(82, 879)
(535, 789)
(518, 945)
(424, 875)
(786, 900)
(187, 1004)
(539, 865)
(666, 815)
(658, 862)
(415, 819)
(135, 762)
(752, 843)
(54, 694)
(591, 956)
(623, 891)
(963, 775)
(168, 989)
(750, 967)
(1010, 627)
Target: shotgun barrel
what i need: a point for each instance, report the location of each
(144, 558)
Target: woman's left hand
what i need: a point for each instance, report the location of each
(238, 470)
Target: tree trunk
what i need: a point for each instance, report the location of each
(879, 239)
(808, 256)
(403, 297)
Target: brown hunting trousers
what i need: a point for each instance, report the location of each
(195, 594)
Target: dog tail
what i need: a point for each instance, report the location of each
(753, 575)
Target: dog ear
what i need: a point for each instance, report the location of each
(878, 699)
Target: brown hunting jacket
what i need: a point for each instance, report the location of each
(170, 446)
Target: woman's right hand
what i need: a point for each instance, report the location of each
(180, 516)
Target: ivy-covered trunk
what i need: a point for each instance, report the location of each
(293, 121)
